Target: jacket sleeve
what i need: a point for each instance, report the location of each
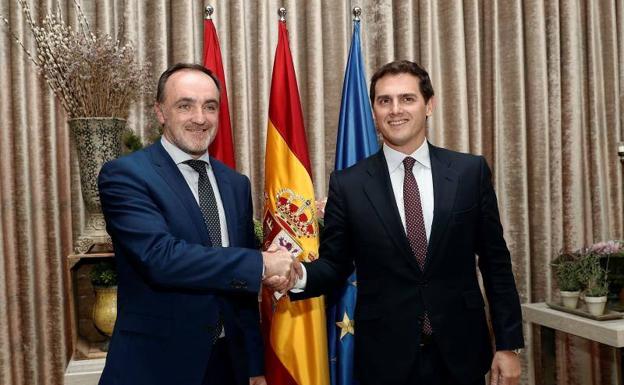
(328, 273)
(141, 232)
(250, 310)
(496, 268)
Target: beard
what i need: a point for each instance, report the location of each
(189, 142)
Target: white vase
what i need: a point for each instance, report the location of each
(596, 305)
(570, 298)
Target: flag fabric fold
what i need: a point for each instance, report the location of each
(222, 146)
(295, 335)
(356, 140)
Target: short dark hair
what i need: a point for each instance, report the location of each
(160, 91)
(403, 67)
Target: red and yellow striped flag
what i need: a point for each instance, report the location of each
(295, 334)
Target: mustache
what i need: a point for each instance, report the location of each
(194, 126)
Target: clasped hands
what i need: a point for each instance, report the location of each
(281, 269)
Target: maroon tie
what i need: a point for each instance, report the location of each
(415, 223)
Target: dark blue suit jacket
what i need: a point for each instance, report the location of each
(363, 227)
(172, 284)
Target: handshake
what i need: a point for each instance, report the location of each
(281, 269)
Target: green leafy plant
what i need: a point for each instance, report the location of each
(104, 274)
(567, 271)
(259, 233)
(131, 142)
(593, 275)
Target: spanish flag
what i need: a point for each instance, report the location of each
(295, 334)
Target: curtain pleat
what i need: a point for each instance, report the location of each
(536, 87)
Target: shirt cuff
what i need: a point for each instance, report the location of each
(300, 283)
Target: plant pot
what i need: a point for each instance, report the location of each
(596, 305)
(105, 309)
(570, 298)
(97, 141)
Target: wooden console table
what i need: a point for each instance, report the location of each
(550, 320)
(88, 356)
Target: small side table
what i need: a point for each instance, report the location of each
(550, 320)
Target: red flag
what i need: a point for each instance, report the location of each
(222, 147)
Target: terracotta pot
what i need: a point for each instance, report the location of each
(105, 309)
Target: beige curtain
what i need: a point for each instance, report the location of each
(536, 86)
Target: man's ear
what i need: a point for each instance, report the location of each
(159, 113)
(430, 106)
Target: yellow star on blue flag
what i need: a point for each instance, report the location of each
(347, 326)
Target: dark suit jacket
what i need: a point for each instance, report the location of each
(363, 226)
(172, 283)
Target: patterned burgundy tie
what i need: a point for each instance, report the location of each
(415, 224)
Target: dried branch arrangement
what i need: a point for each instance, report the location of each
(92, 74)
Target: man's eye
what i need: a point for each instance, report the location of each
(184, 107)
(409, 99)
(384, 101)
(211, 107)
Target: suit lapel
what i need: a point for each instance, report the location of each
(227, 198)
(378, 188)
(169, 171)
(445, 182)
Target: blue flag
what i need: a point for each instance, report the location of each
(356, 140)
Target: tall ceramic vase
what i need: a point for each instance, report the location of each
(97, 140)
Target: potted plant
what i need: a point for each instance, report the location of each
(594, 278)
(104, 280)
(96, 78)
(566, 269)
(612, 253)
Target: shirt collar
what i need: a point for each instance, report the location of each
(395, 158)
(178, 155)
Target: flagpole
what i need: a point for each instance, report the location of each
(208, 12)
(282, 14)
(357, 11)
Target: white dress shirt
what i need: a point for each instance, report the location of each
(424, 180)
(192, 179)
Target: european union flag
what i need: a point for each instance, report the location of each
(356, 140)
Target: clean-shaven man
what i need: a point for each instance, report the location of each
(411, 219)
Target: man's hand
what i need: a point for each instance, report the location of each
(277, 262)
(282, 284)
(505, 368)
(258, 380)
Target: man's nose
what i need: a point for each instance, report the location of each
(395, 106)
(199, 117)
